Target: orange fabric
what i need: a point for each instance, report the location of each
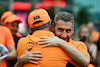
(90, 65)
(52, 56)
(38, 15)
(6, 39)
(80, 46)
(3, 64)
(18, 34)
(5, 15)
(95, 36)
(11, 19)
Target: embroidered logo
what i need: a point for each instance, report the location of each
(34, 43)
(74, 45)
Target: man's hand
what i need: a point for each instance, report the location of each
(30, 57)
(50, 41)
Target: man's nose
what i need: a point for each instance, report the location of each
(15, 28)
(64, 34)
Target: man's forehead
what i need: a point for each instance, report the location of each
(64, 26)
(61, 22)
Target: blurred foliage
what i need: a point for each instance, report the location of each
(51, 13)
(82, 16)
(2, 10)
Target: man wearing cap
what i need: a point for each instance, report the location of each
(52, 56)
(6, 39)
(12, 22)
(4, 16)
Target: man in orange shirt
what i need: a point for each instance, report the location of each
(4, 16)
(12, 22)
(51, 54)
(6, 39)
(63, 27)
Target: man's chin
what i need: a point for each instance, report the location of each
(65, 39)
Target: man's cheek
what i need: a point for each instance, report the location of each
(58, 34)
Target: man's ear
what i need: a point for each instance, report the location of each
(73, 29)
(53, 27)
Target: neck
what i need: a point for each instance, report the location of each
(46, 29)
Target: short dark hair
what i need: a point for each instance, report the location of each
(41, 27)
(65, 16)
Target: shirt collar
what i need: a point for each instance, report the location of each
(38, 33)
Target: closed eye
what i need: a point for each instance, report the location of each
(69, 30)
(60, 29)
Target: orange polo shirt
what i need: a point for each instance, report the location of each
(52, 56)
(6, 39)
(80, 46)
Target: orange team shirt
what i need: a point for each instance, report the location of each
(52, 56)
(95, 36)
(6, 39)
(80, 46)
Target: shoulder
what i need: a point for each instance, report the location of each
(93, 46)
(24, 39)
(5, 29)
(79, 43)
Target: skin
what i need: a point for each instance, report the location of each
(85, 32)
(92, 47)
(13, 27)
(64, 31)
(91, 26)
(28, 57)
(2, 22)
(12, 53)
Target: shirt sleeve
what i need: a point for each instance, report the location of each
(9, 38)
(83, 48)
(21, 47)
(71, 60)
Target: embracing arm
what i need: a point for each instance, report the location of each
(18, 64)
(93, 50)
(28, 57)
(12, 53)
(79, 57)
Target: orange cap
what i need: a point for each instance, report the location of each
(38, 15)
(5, 15)
(12, 18)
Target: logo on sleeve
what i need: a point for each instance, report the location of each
(74, 45)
